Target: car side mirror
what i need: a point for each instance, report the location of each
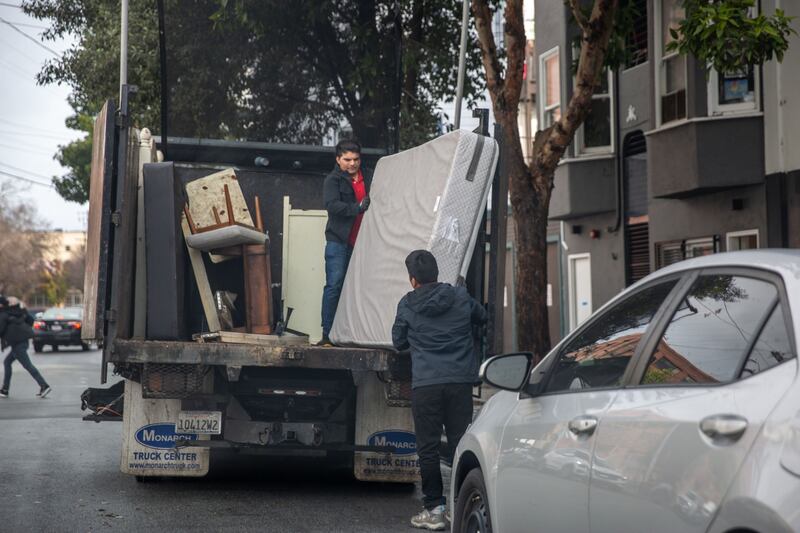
(508, 371)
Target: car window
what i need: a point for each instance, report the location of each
(709, 334)
(66, 313)
(598, 355)
(773, 346)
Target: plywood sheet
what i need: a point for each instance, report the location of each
(97, 245)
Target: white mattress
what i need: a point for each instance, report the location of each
(429, 197)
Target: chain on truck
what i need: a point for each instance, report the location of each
(214, 346)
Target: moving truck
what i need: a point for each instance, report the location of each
(170, 318)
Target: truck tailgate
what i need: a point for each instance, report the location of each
(229, 354)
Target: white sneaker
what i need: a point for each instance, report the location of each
(434, 519)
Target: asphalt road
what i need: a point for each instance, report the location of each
(58, 473)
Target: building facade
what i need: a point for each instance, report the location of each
(671, 163)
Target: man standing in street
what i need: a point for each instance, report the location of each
(16, 331)
(346, 197)
(435, 322)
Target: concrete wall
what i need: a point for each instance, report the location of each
(607, 256)
(781, 99)
(707, 215)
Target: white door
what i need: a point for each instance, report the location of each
(580, 289)
(670, 446)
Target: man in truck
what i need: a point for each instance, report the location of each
(346, 197)
(435, 322)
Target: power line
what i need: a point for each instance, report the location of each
(28, 126)
(36, 134)
(33, 26)
(16, 177)
(30, 38)
(29, 150)
(12, 167)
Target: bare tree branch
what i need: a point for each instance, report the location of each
(590, 65)
(515, 52)
(580, 18)
(491, 64)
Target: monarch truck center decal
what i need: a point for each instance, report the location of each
(378, 424)
(148, 446)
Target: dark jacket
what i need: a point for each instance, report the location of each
(435, 321)
(15, 325)
(340, 202)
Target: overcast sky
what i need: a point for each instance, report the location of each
(32, 121)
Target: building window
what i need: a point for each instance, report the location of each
(733, 92)
(596, 133)
(672, 65)
(742, 240)
(699, 247)
(670, 252)
(67, 248)
(636, 41)
(551, 87)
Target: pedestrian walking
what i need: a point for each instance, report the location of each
(16, 331)
(435, 322)
(346, 197)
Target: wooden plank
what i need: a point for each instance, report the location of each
(97, 245)
(218, 353)
(201, 277)
(255, 338)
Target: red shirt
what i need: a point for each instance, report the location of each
(361, 193)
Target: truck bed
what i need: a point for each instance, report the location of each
(229, 354)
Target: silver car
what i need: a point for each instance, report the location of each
(675, 407)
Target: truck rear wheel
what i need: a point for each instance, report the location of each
(38, 347)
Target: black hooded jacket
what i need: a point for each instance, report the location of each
(340, 202)
(435, 322)
(15, 325)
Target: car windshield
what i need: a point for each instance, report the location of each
(67, 313)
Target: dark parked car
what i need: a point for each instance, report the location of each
(59, 326)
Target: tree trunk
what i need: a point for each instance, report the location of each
(530, 187)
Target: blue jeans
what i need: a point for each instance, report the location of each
(19, 352)
(337, 257)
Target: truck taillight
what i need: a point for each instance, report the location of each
(38, 324)
(74, 325)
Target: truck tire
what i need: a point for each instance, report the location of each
(55, 347)
(38, 347)
(84, 347)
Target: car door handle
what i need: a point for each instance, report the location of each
(723, 427)
(583, 425)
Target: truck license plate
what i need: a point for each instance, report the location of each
(199, 422)
(55, 327)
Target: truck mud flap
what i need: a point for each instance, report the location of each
(379, 423)
(149, 438)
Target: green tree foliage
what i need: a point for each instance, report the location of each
(288, 71)
(728, 36)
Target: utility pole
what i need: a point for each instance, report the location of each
(462, 60)
(123, 47)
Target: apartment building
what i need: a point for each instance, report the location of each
(672, 163)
